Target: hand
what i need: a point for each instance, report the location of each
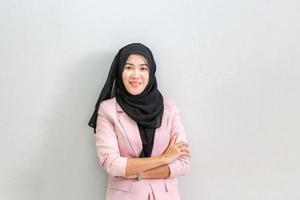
(176, 150)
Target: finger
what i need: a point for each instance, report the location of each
(184, 153)
(182, 144)
(184, 148)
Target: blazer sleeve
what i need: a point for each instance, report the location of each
(182, 164)
(107, 144)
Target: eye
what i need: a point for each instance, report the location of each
(128, 67)
(144, 68)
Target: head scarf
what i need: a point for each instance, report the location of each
(145, 108)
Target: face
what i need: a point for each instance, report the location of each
(135, 74)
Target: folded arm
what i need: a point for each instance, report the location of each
(173, 162)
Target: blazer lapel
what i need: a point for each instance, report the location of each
(131, 130)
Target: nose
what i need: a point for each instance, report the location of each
(135, 73)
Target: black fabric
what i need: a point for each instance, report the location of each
(147, 137)
(145, 108)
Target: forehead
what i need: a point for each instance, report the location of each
(136, 59)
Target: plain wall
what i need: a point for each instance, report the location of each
(231, 66)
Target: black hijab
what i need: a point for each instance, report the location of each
(145, 108)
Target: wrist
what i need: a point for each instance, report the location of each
(146, 175)
(140, 176)
(163, 159)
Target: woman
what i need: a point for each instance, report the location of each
(140, 139)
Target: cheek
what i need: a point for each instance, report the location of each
(146, 79)
(124, 76)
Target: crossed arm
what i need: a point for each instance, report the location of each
(173, 162)
(157, 167)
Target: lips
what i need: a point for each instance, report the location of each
(135, 84)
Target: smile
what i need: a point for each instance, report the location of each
(135, 84)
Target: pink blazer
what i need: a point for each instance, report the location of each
(117, 138)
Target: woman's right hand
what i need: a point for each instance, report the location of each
(175, 150)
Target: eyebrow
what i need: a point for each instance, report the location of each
(139, 65)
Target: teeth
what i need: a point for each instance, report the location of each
(135, 84)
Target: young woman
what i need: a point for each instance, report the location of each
(140, 139)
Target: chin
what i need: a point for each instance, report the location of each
(135, 93)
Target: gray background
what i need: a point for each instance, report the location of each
(231, 66)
